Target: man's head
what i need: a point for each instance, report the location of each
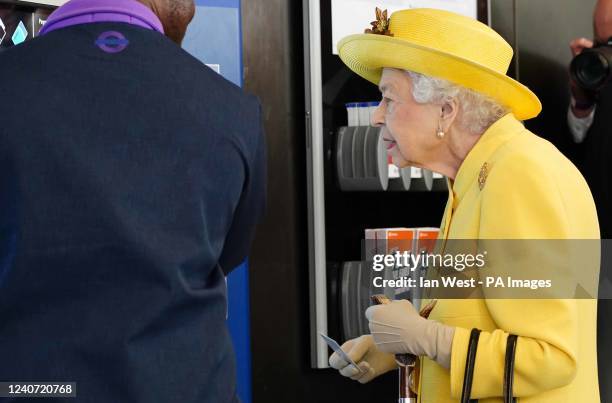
(602, 21)
(175, 15)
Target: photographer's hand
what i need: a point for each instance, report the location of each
(579, 44)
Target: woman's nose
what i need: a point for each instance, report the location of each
(378, 117)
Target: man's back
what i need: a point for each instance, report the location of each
(129, 181)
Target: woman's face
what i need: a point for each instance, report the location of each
(409, 128)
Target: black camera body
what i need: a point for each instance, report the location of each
(592, 68)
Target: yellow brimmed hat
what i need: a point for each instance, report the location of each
(445, 45)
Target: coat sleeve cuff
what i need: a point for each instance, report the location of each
(458, 357)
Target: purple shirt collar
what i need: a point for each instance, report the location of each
(77, 12)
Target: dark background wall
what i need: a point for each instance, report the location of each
(544, 29)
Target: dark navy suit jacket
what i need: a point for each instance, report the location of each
(129, 183)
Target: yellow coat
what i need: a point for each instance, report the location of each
(531, 192)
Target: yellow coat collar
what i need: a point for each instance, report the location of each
(469, 171)
(493, 138)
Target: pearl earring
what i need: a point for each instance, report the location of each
(440, 134)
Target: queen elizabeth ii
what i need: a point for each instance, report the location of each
(448, 106)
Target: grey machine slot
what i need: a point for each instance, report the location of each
(361, 159)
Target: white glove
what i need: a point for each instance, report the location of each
(370, 360)
(399, 329)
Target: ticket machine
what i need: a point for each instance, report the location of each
(349, 190)
(21, 21)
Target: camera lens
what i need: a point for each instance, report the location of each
(590, 69)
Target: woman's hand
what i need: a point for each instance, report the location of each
(399, 329)
(370, 360)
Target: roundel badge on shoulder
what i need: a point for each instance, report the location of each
(112, 42)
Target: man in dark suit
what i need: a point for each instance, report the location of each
(131, 179)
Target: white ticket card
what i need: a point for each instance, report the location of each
(336, 347)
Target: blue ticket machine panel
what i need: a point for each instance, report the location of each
(214, 37)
